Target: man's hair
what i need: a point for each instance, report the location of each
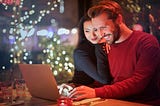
(113, 9)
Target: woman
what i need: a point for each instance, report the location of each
(86, 55)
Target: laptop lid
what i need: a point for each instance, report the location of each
(40, 81)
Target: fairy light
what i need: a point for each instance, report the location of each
(22, 25)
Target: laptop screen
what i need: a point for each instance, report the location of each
(40, 81)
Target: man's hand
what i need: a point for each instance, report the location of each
(82, 92)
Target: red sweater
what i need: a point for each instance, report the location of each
(133, 64)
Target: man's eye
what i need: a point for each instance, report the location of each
(95, 29)
(103, 28)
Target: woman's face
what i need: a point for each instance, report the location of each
(89, 32)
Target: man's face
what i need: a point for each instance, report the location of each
(105, 28)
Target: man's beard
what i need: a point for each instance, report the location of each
(116, 33)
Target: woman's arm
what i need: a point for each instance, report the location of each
(83, 59)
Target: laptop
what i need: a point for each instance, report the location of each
(40, 81)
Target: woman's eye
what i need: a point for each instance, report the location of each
(86, 31)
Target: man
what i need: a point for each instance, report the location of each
(134, 58)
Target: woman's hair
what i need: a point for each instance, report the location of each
(111, 8)
(81, 36)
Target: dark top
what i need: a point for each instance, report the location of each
(87, 71)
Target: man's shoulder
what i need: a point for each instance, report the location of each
(144, 37)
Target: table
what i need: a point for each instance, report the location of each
(32, 101)
(102, 102)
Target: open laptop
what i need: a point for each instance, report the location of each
(40, 81)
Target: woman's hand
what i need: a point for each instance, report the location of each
(107, 48)
(82, 92)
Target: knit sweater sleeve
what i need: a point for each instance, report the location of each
(148, 57)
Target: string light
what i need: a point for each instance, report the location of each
(22, 27)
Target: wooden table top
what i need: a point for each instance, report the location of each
(32, 101)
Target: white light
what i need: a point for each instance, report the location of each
(58, 41)
(66, 68)
(50, 34)
(60, 69)
(3, 67)
(16, 47)
(69, 70)
(23, 33)
(49, 3)
(26, 13)
(12, 50)
(33, 6)
(55, 72)
(63, 52)
(47, 50)
(70, 65)
(60, 64)
(30, 21)
(62, 31)
(31, 32)
(4, 30)
(55, 5)
(67, 59)
(44, 51)
(24, 50)
(55, 39)
(11, 37)
(42, 32)
(26, 54)
(48, 60)
(11, 61)
(56, 62)
(11, 55)
(65, 64)
(52, 8)
(25, 58)
(58, 58)
(30, 62)
(13, 16)
(74, 31)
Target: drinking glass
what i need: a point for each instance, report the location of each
(7, 92)
(20, 87)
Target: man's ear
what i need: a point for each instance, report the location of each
(119, 19)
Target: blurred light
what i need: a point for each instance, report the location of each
(30, 62)
(66, 58)
(3, 67)
(31, 32)
(55, 72)
(25, 58)
(74, 31)
(42, 32)
(50, 34)
(4, 30)
(62, 31)
(48, 60)
(63, 52)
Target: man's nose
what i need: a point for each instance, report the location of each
(98, 33)
(102, 33)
